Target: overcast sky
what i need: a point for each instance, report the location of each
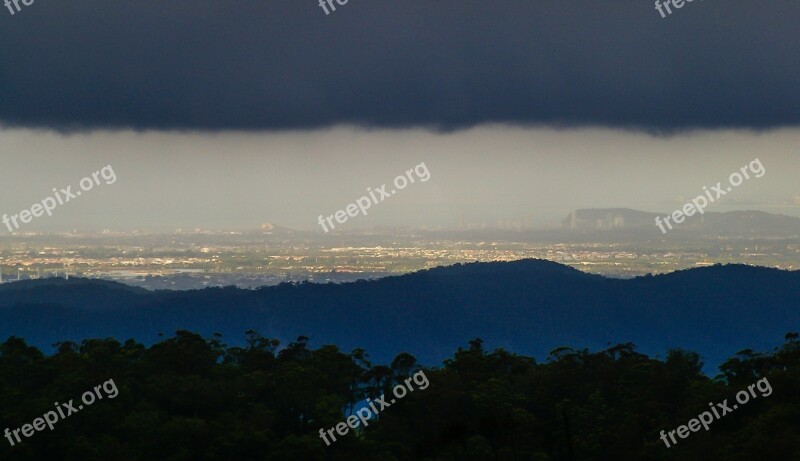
(229, 114)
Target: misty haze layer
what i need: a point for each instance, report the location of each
(170, 180)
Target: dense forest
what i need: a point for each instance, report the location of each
(195, 398)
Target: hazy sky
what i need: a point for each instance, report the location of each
(229, 114)
(237, 180)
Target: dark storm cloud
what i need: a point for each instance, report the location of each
(284, 64)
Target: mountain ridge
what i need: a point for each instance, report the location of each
(527, 306)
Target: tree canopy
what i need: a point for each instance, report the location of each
(194, 398)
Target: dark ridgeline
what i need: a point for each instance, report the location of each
(529, 306)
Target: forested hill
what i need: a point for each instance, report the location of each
(529, 306)
(189, 398)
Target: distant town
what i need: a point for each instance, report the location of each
(199, 258)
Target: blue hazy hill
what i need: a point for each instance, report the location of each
(529, 307)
